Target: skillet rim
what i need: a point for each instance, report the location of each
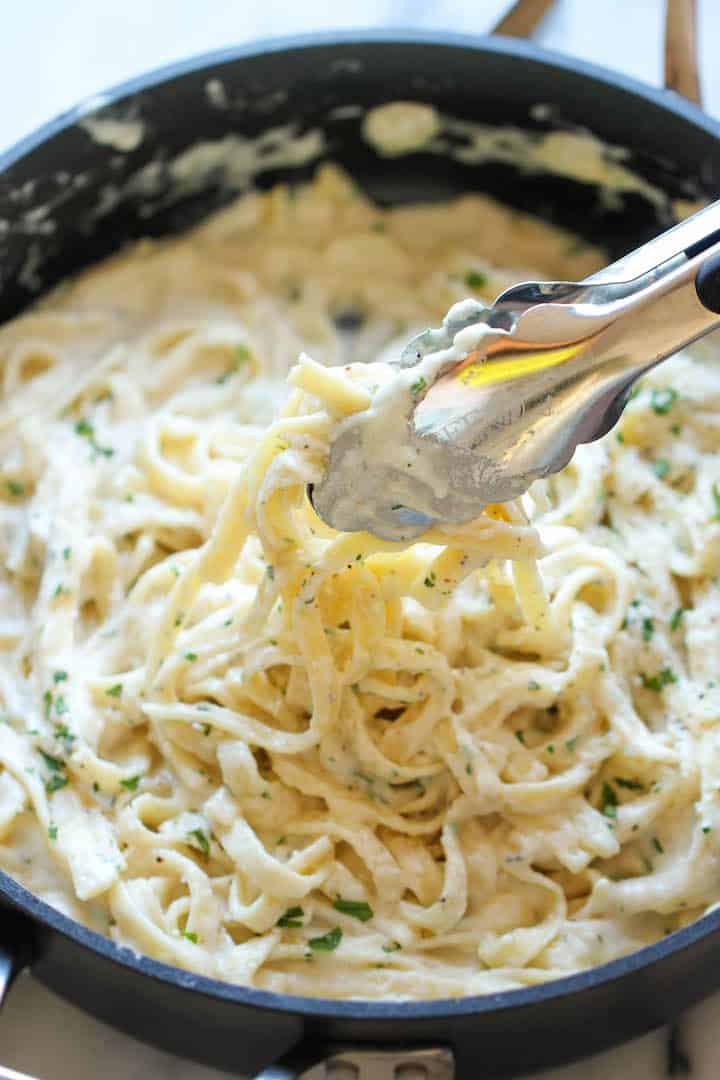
(30, 905)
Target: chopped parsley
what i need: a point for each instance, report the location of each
(67, 552)
(629, 785)
(53, 763)
(707, 828)
(392, 948)
(533, 685)
(52, 831)
(328, 942)
(15, 488)
(47, 700)
(292, 918)
(115, 691)
(131, 784)
(418, 386)
(60, 676)
(60, 705)
(474, 279)
(677, 618)
(716, 501)
(85, 429)
(661, 468)
(662, 401)
(55, 783)
(190, 656)
(619, 437)
(609, 801)
(658, 681)
(190, 936)
(242, 355)
(429, 581)
(359, 909)
(202, 841)
(658, 846)
(63, 732)
(570, 744)
(648, 629)
(520, 736)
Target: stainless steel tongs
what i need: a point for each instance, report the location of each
(555, 369)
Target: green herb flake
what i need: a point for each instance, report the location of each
(570, 744)
(190, 656)
(359, 909)
(60, 676)
(47, 701)
(392, 948)
(429, 581)
(66, 553)
(658, 846)
(533, 685)
(115, 691)
(474, 279)
(15, 488)
(716, 501)
(60, 705)
(328, 942)
(609, 801)
(242, 355)
(707, 828)
(662, 401)
(63, 732)
(648, 629)
(87, 431)
(202, 841)
(658, 681)
(629, 785)
(292, 917)
(131, 784)
(520, 736)
(52, 831)
(619, 437)
(53, 763)
(190, 936)
(418, 386)
(55, 783)
(677, 619)
(661, 468)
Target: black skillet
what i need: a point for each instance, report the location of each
(303, 81)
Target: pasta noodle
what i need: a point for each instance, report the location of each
(323, 763)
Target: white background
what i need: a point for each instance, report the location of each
(55, 52)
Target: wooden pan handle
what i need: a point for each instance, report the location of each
(681, 57)
(522, 18)
(681, 60)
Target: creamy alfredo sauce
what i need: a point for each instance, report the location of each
(317, 762)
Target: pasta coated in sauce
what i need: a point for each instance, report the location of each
(322, 763)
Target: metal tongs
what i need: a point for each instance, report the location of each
(556, 369)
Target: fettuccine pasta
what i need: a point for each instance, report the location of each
(323, 763)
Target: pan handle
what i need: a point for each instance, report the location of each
(15, 953)
(681, 55)
(310, 1062)
(16, 938)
